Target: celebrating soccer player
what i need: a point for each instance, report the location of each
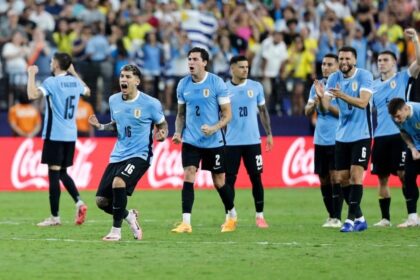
(352, 88)
(198, 126)
(324, 140)
(388, 152)
(62, 93)
(133, 115)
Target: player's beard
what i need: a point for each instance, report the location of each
(349, 68)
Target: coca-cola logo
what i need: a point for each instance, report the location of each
(166, 169)
(298, 164)
(27, 170)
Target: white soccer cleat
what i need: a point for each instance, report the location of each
(132, 221)
(327, 223)
(113, 235)
(383, 223)
(50, 221)
(409, 223)
(335, 223)
(332, 223)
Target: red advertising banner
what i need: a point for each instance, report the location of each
(289, 164)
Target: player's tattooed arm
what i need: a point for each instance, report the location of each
(111, 126)
(179, 124)
(226, 116)
(410, 144)
(265, 121)
(162, 131)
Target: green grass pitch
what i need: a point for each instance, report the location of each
(294, 247)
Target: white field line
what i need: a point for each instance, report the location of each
(260, 243)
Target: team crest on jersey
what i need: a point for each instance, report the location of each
(393, 84)
(250, 93)
(137, 113)
(206, 92)
(417, 125)
(354, 86)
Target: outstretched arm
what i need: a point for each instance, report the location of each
(32, 90)
(414, 68)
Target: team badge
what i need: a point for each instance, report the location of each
(137, 113)
(393, 84)
(417, 125)
(250, 93)
(354, 86)
(206, 92)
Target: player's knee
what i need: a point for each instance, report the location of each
(102, 202)
(324, 179)
(118, 183)
(189, 173)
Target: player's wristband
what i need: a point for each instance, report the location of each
(101, 127)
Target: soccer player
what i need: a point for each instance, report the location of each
(243, 139)
(352, 88)
(324, 140)
(62, 93)
(133, 115)
(202, 96)
(388, 152)
(407, 117)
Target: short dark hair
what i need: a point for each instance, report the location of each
(235, 59)
(64, 60)
(332, 55)
(204, 54)
(388, 53)
(395, 105)
(132, 68)
(348, 49)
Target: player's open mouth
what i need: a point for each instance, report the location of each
(191, 68)
(124, 85)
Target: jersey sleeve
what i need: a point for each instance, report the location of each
(366, 82)
(222, 92)
(46, 86)
(406, 75)
(331, 83)
(260, 94)
(157, 115)
(311, 98)
(180, 92)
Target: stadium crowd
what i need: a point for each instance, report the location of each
(284, 40)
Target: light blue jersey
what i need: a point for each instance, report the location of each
(135, 120)
(245, 99)
(202, 107)
(384, 91)
(412, 124)
(353, 123)
(326, 123)
(62, 94)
